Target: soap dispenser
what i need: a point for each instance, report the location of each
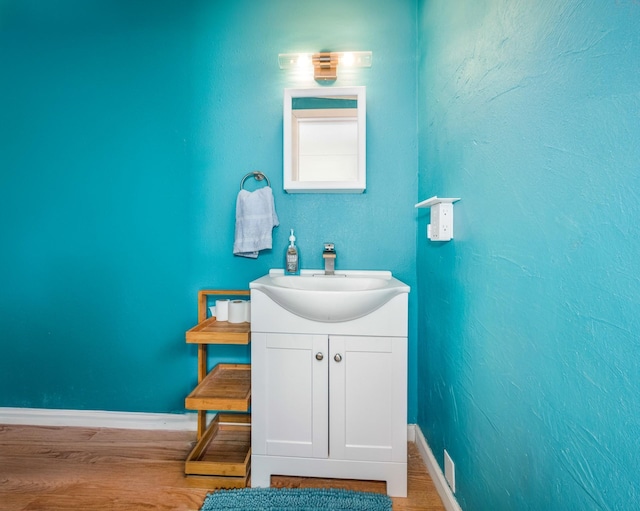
(292, 259)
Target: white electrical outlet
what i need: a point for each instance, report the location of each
(441, 226)
(449, 471)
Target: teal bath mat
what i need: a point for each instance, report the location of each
(295, 499)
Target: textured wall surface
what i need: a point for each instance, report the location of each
(126, 129)
(529, 319)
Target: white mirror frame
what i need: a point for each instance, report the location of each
(355, 181)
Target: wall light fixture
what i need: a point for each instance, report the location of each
(324, 64)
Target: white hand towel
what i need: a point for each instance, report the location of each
(255, 219)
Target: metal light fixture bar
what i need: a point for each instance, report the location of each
(324, 64)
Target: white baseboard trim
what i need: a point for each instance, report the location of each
(411, 432)
(99, 419)
(448, 500)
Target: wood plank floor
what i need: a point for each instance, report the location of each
(61, 468)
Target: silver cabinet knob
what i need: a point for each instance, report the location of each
(319, 356)
(338, 357)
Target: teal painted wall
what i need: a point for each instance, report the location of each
(529, 320)
(126, 129)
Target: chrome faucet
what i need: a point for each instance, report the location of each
(329, 256)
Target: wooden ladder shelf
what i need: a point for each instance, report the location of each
(222, 455)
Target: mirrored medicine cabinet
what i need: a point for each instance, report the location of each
(325, 140)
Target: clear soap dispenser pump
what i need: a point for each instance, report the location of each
(292, 259)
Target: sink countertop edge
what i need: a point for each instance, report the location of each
(319, 272)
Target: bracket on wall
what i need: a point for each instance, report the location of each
(441, 226)
(325, 66)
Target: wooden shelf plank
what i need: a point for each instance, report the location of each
(224, 450)
(226, 387)
(211, 331)
(216, 482)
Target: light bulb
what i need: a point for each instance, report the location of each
(347, 59)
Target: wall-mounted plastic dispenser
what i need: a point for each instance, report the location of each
(441, 226)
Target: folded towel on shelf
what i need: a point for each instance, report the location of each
(255, 219)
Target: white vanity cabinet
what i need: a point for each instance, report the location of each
(330, 401)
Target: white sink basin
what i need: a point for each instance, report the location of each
(345, 296)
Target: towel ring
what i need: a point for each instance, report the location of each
(259, 176)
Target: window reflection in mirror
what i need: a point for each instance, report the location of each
(324, 140)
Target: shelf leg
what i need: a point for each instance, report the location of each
(202, 362)
(202, 423)
(202, 372)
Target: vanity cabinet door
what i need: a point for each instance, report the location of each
(290, 395)
(368, 398)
